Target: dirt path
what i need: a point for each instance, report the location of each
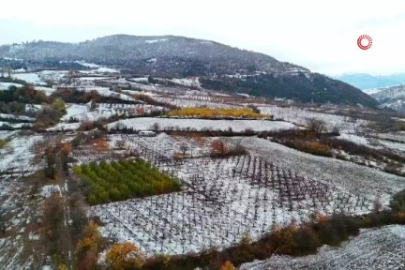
(63, 185)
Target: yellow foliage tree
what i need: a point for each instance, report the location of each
(125, 256)
(59, 105)
(62, 267)
(208, 112)
(88, 247)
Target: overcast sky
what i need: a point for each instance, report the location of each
(317, 34)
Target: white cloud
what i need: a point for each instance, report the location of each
(320, 35)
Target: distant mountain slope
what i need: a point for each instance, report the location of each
(392, 97)
(302, 87)
(180, 57)
(170, 55)
(366, 81)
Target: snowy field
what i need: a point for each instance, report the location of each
(84, 113)
(21, 210)
(5, 85)
(189, 82)
(299, 116)
(225, 198)
(64, 127)
(184, 103)
(395, 136)
(31, 78)
(104, 91)
(147, 123)
(166, 145)
(17, 154)
(15, 125)
(93, 78)
(382, 248)
(342, 174)
(16, 117)
(133, 92)
(375, 142)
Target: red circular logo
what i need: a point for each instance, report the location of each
(369, 42)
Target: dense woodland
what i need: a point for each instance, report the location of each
(318, 89)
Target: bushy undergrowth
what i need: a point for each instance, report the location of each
(116, 181)
(311, 147)
(294, 240)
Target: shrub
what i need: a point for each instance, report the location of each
(59, 105)
(312, 147)
(398, 201)
(3, 143)
(316, 125)
(125, 256)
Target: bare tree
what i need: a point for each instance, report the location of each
(155, 126)
(316, 125)
(183, 148)
(120, 144)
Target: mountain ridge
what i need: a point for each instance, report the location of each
(134, 52)
(391, 97)
(177, 56)
(365, 81)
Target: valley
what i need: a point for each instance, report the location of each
(95, 156)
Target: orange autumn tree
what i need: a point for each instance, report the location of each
(66, 147)
(228, 266)
(218, 147)
(140, 111)
(125, 256)
(88, 247)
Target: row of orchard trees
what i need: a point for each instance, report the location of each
(116, 181)
(209, 112)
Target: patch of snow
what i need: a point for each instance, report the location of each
(373, 91)
(145, 80)
(20, 70)
(49, 190)
(190, 82)
(133, 92)
(107, 70)
(150, 41)
(85, 64)
(64, 127)
(93, 78)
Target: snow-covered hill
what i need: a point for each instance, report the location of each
(391, 97)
